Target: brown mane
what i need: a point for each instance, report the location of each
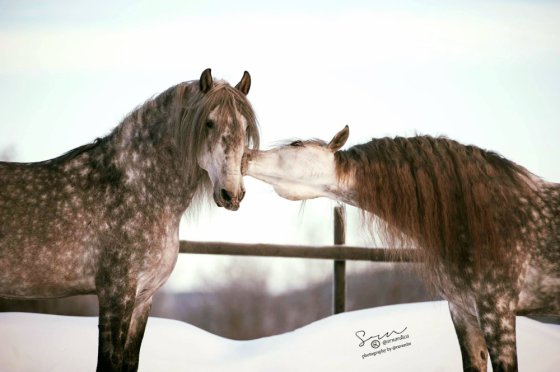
(461, 205)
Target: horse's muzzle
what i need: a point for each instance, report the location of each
(228, 199)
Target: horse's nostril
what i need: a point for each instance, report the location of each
(242, 195)
(226, 195)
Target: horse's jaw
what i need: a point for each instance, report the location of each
(288, 183)
(287, 189)
(296, 192)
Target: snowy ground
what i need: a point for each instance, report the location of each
(423, 340)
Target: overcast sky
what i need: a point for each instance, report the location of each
(481, 72)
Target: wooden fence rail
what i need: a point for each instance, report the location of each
(339, 253)
(327, 252)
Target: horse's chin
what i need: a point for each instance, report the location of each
(231, 207)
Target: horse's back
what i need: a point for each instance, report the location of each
(28, 191)
(41, 230)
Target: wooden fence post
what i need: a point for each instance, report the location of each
(339, 292)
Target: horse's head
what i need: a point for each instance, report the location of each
(298, 170)
(227, 125)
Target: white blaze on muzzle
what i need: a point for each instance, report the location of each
(222, 161)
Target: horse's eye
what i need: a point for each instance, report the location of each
(209, 124)
(296, 143)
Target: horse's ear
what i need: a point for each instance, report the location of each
(339, 139)
(245, 84)
(206, 81)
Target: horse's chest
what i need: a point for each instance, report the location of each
(158, 260)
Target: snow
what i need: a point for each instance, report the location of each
(36, 342)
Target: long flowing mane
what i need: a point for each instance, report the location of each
(461, 205)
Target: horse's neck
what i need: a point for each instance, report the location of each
(347, 189)
(343, 191)
(143, 130)
(342, 187)
(144, 152)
